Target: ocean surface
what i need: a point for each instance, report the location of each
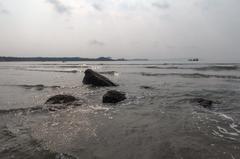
(157, 121)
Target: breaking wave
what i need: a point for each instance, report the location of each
(204, 68)
(218, 68)
(61, 71)
(191, 75)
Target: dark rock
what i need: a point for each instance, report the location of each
(203, 102)
(146, 87)
(113, 97)
(61, 99)
(95, 79)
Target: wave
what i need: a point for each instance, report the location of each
(191, 75)
(57, 64)
(38, 87)
(61, 71)
(113, 73)
(76, 66)
(157, 67)
(43, 108)
(218, 68)
(205, 68)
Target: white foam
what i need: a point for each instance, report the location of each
(224, 131)
(225, 116)
(234, 127)
(233, 157)
(99, 108)
(217, 134)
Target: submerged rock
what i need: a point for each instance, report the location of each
(146, 87)
(203, 102)
(95, 79)
(113, 97)
(61, 99)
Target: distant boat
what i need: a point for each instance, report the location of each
(194, 59)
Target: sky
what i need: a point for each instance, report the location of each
(153, 29)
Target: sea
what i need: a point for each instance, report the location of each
(158, 120)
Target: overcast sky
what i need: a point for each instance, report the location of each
(121, 28)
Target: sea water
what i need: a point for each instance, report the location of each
(156, 121)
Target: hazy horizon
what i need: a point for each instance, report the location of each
(152, 29)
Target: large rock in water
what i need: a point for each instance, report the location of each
(95, 79)
(113, 97)
(61, 99)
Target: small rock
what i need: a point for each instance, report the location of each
(113, 97)
(203, 102)
(61, 99)
(146, 87)
(95, 79)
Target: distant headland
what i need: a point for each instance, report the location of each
(64, 59)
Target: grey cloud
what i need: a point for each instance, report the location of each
(96, 43)
(3, 10)
(161, 5)
(97, 7)
(170, 47)
(59, 7)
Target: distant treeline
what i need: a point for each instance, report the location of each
(9, 59)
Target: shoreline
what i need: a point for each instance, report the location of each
(63, 59)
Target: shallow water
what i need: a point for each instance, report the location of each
(156, 121)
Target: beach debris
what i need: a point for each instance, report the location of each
(61, 99)
(203, 102)
(113, 97)
(93, 78)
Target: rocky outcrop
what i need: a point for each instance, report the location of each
(113, 97)
(95, 79)
(61, 99)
